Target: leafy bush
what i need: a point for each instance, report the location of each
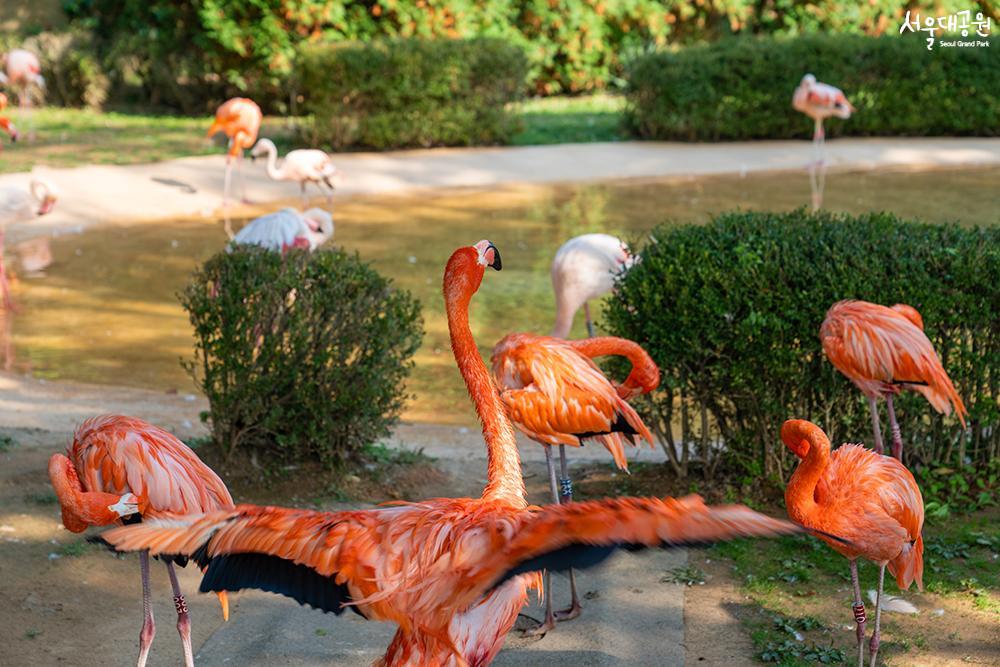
(742, 89)
(413, 92)
(73, 75)
(731, 312)
(302, 357)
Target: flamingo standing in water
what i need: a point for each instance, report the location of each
(584, 268)
(239, 118)
(5, 123)
(122, 469)
(19, 205)
(820, 101)
(870, 500)
(556, 395)
(883, 351)
(304, 165)
(452, 573)
(285, 229)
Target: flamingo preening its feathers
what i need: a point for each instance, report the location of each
(124, 469)
(884, 350)
(556, 395)
(869, 500)
(451, 573)
(288, 228)
(18, 205)
(585, 268)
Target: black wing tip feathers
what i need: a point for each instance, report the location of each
(234, 572)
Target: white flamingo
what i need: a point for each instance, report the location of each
(304, 165)
(820, 101)
(20, 71)
(288, 228)
(584, 268)
(20, 205)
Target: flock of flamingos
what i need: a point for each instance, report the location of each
(454, 573)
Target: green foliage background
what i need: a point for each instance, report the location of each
(302, 357)
(731, 312)
(191, 54)
(741, 88)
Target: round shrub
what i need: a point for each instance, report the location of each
(302, 357)
(731, 312)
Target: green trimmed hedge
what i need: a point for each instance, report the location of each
(741, 89)
(731, 312)
(302, 357)
(413, 92)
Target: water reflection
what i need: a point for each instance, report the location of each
(106, 311)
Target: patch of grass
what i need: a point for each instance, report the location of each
(71, 137)
(688, 575)
(42, 497)
(74, 549)
(560, 120)
(801, 573)
(7, 443)
(31, 633)
(381, 455)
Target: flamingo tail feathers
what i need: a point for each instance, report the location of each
(908, 566)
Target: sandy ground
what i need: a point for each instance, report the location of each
(192, 187)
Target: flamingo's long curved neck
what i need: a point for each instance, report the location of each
(800, 494)
(80, 508)
(272, 164)
(644, 376)
(504, 474)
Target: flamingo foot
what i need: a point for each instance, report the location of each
(541, 629)
(569, 613)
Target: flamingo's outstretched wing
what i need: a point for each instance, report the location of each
(276, 231)
(581, 535)
(559, 396)
(117, 454)
(874, 345)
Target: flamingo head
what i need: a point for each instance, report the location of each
(800, 436)
(320, 221)
(808, 80)
(465, 269)
(263, 147)
(44, 194)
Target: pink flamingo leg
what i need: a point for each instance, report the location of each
(550, 619)
(897, 435)
(183, 618)
(4, 284)
(876, 426)
(859, 613)
(243, 183)
(874, 644)
(225, 194)
(566, 496)
(148, 626)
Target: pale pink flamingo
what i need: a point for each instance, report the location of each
(20, 72)
(303, 165)
(123, 470)
(19, 205)
(584, 268)
(239, 118)
(820, 101)
(288, 228)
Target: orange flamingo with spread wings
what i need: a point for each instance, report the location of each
(883, 351)
(870, 500)
(556, 395)
(122, 468)
(452, 573)
(239, 118)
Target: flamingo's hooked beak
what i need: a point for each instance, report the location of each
(493, 261)
(47, 205)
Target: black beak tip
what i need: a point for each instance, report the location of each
(497, 264)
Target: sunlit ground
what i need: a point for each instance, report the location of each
(106, 310)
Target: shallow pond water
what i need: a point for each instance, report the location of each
(106, 311)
